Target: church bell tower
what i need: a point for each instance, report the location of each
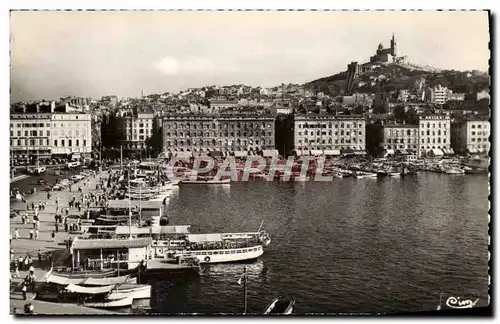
(394, 50)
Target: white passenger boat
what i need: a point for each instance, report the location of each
(213, 248)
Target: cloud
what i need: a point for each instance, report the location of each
(190, 65)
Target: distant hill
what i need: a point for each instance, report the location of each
(401, 76)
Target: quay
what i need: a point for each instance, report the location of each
(44, 245)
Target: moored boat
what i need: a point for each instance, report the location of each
(206, 181)
(283, 306)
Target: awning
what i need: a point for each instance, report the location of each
(303, 152)
(270, 153)
(184, 154)
(240, 153)
(89, 290)
(178, 229)
(389, 152)
(346, 150)
(93, 244)
(435, 152)
(316, 152)
(403, 151)
(472, 150)
(360, 152)
(449, 151)
(202, 238)
(332, 152)
(215, 153)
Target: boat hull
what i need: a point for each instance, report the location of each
(118, 303)
(137, 292)
(224, 255)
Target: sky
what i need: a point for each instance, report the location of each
(91, 54)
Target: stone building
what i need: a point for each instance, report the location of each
(135, 128)
(228, 134)
(471, 136)
(434, 135)
(323, 134)
(385, 138)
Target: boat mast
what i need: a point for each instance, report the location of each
(245, 288)
(260, 227)
(129, 208)
(121, 156)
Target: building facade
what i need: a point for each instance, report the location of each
(434, 134)
(223, 133)
(471, 136)
(315, 133)
(135, 128)
(71, 134)
(393, 139)
(437, 95)
(30, 135)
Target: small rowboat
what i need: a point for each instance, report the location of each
(283, 306)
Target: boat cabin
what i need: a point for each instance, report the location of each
(99, 254)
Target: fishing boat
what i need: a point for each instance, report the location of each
(206, 180)
(283, 306)
(362, 175)
(117, 303)
(469, 170)
(454, 170)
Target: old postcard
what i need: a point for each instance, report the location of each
(249, 162)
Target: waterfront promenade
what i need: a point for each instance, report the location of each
(24, 245)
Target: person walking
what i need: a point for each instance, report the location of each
(36, 234)
(53, 236)
(23, 289)
(16, 271)
(34, 222)
(31, 234)
(23, 218)
(57, 227)
(39, 255)
(16, 234)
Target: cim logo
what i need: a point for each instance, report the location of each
(456, 302)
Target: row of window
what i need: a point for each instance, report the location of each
(342, 125)
(444, 125)
(29, 125)
(478, 126)
(408, 132)
(247, 126)
(29, 133)
(226, 251)
(70, 143)
(32, 142)
(401, 140)
(342, 141)
(480, 133)
(217, 134)
(479, 139)
(141, 131)
(390, 147)
(346, 133)
(135, 138)
(335, 147)
(213, 142)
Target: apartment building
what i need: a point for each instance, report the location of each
(135, 128)
(71, 134)
(320, 134)
(238, 134)
(471, 136)
(434, 135)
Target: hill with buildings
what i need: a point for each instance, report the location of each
(387, 70)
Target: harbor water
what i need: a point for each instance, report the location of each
(367, 245)
(345, 246)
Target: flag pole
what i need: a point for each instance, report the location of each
(245, 288)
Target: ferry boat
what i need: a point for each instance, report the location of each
(215, 247)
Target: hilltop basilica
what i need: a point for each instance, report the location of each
(387, 55)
